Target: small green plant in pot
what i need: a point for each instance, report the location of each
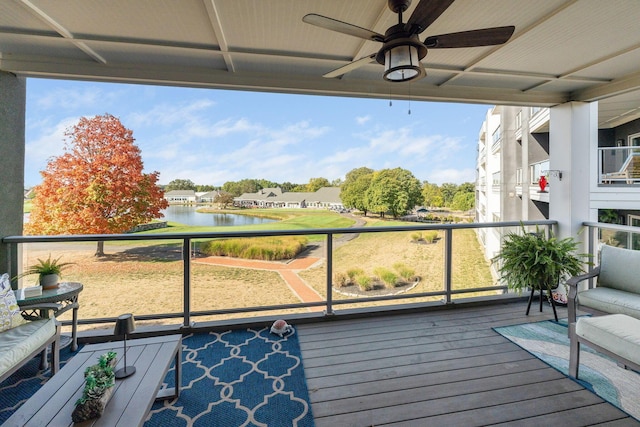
(537, 262)
(49, 271)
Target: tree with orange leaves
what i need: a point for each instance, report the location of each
(97, 186)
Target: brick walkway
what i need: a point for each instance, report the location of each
(288, 272)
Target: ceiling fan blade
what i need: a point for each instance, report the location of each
(341, 27)
(425, 14)
(350, 66)
(472, 38)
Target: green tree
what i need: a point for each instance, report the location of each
(317, 183)
(395, 191)
(448, 190)
(224, 199)
(205, 188)
(287, 186)
(432, 195)
(243, 186)
(180, 184)
(463, 201)
(354, 188)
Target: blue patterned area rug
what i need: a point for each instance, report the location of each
(548, 341)
(238, 378)
(20, 386)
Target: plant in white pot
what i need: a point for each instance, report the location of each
(49, 271)
(537, 262)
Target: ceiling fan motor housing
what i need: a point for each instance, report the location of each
(398, 6)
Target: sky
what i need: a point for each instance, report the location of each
(212, 136)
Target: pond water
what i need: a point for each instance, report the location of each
(187, 215)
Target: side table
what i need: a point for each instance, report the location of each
(65, 295)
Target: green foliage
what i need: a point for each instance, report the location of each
(180, 184)
(388, 277)
(354, 272)
(317, 183)
(432, 195)
(44, 267)
(463, 201)
(415, 237)
(430, 236)
(354, 188)
(248, 186)
(407, 273)
(262, 248)
(364, 282)
(98, 378)
(395, 191)
(531, 260)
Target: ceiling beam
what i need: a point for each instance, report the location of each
(43, 16)
(177, 75)
(216, 25)
(626, 84)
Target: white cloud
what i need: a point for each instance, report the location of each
(456, 176)
(77, 98)
(362, 119)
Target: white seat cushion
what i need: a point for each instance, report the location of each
(17, 343)
(617, 333)
(610, 300)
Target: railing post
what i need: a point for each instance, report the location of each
(448, 254)
(591, 249)
(186, 274)
(329, 246)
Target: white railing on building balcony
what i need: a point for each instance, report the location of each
(536, 170)
(619, 165)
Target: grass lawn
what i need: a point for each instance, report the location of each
(373, 250)
(146, 277)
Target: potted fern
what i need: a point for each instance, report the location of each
(537, 262)
(49, 271)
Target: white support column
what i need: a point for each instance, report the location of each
(573, 142)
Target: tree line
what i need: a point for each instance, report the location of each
(393, 191)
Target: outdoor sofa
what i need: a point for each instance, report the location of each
(20, 339)
(617, 290)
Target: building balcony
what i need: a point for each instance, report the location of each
(619, 166)
(426, 357)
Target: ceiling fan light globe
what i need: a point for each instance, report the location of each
(402, 64)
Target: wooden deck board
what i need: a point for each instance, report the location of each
(445, 367)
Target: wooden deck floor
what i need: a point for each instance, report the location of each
(442, 368)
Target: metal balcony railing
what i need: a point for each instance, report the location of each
(185, 243)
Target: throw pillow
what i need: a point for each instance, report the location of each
(10, 315)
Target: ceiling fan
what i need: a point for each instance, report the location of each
(402, 50)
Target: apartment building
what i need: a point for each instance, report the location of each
(516, 173)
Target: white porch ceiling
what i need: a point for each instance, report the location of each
(562, 50)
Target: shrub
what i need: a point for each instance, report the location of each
(341, 280)
(364, 282)
(263, 248)
(353, 273)
(430, 236)
(416, 237)
(405, 272)
(388, 277)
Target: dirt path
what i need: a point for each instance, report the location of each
(288, 272)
